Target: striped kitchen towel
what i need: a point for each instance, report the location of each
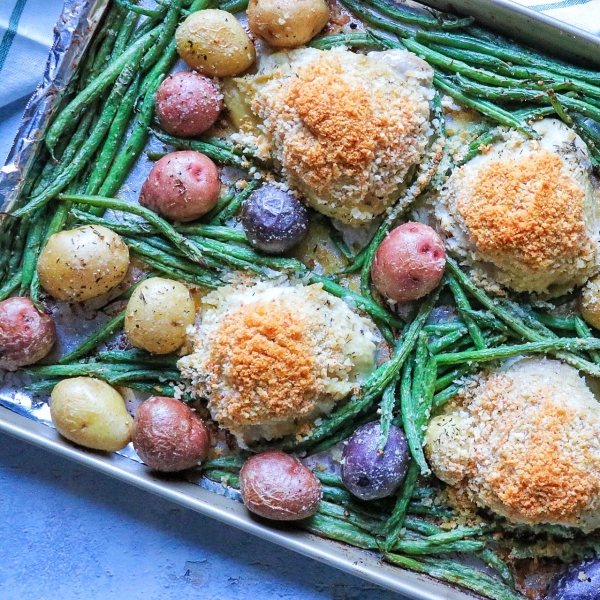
(584, 14)
(26, 28)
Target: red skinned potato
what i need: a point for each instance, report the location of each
(276, 486)
(168, 435)
(26, 335)
(187, 103)
(409, 263)
(181, 186)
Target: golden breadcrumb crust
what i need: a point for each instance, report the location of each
(528, 209)
(266, 355)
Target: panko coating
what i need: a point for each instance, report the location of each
(523, 441)
(344, 128)
(523, 214)
(272, 356)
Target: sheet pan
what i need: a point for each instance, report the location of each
(72, 33)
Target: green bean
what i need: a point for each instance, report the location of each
(395, 524)
(424, 547)
(494, 562)
(329, 478)
(159, 388)
(32, 249)
(387, 405)
(188, 247)
(329, 509)
(108, 76)
(405, 15)
(109, 372)
(447, 340)
(583, 331)
(568, 323)
(340, 531)
(231, 209)
(140, 10)
(429, 510)
(512, 55)
(487, 108)
(475, 146)
(167, 247)
(463, 306)
(341, 435)
(221, 204)
(217, 154)
(144, 251)
(114, 138)
(11, 285)
(136, 356)
(164, 49)
(376, 19)
(223, 477)
(457, 573)
(99, 58)
(443, 382)
(440, 328)
(487, 320)
(105, 332)
(490, 354)
(511, 320)
(177, 274)
(446, 395)
(138, 137)
(469, 56)
(351, 40)
(86, 151)
(140, 374)
(234, 6)
(421, 526)
(526, 316)
(70, 150)
(224, 462)
(124, 36)
(417, 404)
(333, 493)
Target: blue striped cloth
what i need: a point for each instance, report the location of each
(584, 14)
(26, 34)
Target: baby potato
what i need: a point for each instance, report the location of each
(277, 486)
(181, 186)
(83, 263)
(26, 334)
(168, 435)
(213, 43)
(409, 263)
(287, 23)
(91, 413)
(590, 302)
(157, 315)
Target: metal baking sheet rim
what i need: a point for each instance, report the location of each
(498, 14)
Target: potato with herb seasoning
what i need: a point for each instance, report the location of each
(213, 43)
(83, 263)
(157, 315)
(90, 413)
(287, 23)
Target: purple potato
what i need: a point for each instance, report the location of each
(274, 220)
(581, 581)
(368, 474)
